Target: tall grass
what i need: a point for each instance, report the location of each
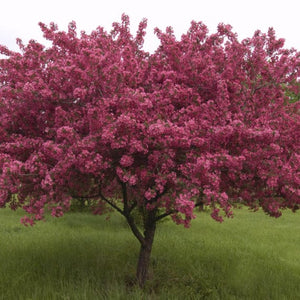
(81, 256)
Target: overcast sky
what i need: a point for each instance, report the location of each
(19, 18)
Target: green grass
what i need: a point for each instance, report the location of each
(81, 256)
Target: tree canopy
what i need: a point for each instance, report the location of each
(206, 119)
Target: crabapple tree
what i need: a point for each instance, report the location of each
(203, 120)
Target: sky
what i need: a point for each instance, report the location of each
(20, 18)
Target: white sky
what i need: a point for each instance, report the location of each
(19, 18)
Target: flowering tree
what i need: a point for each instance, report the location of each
(206, 119)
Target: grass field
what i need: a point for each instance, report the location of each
(81, 256)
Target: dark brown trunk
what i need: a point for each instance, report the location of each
(145, 253)
(201, 206)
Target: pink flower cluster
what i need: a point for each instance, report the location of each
(205, 117)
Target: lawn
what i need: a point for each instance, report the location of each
(82, 256)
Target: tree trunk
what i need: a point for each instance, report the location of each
(201, 206)
(145, 253)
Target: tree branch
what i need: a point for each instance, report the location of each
(159, 195)
(134, 229)
(127, 214)
(165, 215)
(173, 212)
(111, 204)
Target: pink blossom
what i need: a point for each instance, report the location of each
(149, 194)
(133, 180)
(205, 117)
(27, 221)
(126, 161)
(57, 211)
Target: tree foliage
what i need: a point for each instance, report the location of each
(206, 119)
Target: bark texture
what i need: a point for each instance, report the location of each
(145, 250)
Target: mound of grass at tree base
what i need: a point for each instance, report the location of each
(82, 256)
